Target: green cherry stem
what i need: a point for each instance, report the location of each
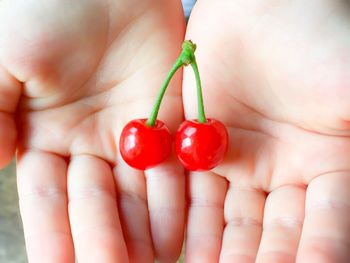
(153, 118)
(186, 58)
(201, 113)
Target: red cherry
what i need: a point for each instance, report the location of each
(201, 146)
(143, 146)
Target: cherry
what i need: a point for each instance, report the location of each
(201, 146)
(147, 143)
(142, 146)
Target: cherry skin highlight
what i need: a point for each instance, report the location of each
(142, 146)
(201, 146)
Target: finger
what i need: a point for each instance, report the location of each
(43, 201)
(93, 211)
(166, 205)
(326, 231)
(244, 208)
(205, 223)
(283, 218)
(132, 202)
(9, 95)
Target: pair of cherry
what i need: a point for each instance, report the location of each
(200, 144)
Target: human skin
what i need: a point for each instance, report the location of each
(277, 73)
(72, 74)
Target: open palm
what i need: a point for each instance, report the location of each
(277, 73)
(77, 72)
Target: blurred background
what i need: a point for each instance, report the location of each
(11, 233)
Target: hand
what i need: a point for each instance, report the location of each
(77, 72)
(277, 73)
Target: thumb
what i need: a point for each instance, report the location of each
(10, 90)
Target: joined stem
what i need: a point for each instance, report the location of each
(186, 58)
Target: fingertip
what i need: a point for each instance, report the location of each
(320, 249)
(168, 242)
(166, 204)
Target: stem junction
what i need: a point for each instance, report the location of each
(186, 58)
